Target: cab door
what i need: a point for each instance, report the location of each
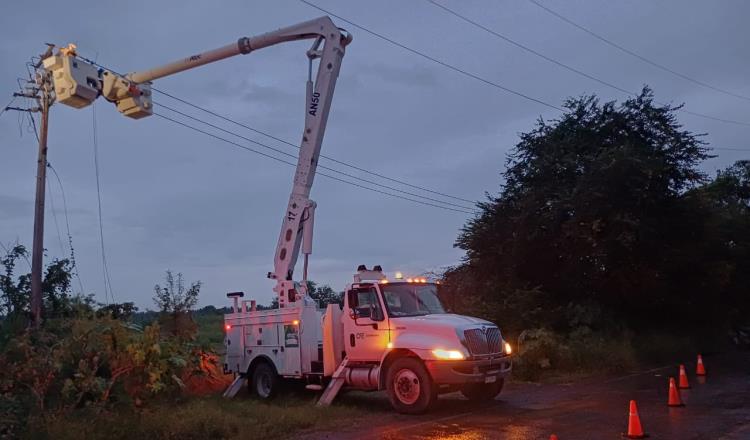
(365, 324)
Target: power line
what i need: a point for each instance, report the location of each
(571, 68)
(105, 267)
(296, 146)
(73, 261)
(636, 55)
(392, 179)
(7, 106)
(435, 60)
(451, 67)
(65, 210)
(319, 166)
(244, 147)
(54, 216)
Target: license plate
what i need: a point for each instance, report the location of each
(490, 379)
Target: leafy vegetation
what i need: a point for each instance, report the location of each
(87, 356)
(606, 228)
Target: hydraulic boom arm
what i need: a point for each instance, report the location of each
(78, 83)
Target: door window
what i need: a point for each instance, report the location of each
(365, 303)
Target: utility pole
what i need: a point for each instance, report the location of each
(42, 91)
(41, 182)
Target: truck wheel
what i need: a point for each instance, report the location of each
(265, 381)
(480, 392)
(410, 387)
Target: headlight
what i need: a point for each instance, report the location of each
(448, 354)
(508, 349)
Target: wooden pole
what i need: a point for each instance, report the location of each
(37, 252)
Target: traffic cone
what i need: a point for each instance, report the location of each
(700, 370)
(635, 430)
(674, 394)
(684, 384)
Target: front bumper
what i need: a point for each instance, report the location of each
(470, 370)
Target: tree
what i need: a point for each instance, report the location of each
(175, 303)
(173, 298)
(16, 290)
(324, 294)
(123, 311)
(594, 213)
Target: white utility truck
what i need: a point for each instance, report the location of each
(391, 335)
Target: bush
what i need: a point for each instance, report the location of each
(542, 352)
(89, 363)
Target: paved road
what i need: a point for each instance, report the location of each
(717, 408)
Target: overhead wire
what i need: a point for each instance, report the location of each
(319, 165)
(350, 165)
(73, 261)
(54, 217)
(486, 81)
(568, 67)
(435, 60)
(637, 55)
(347, 164)
(269, 156)
(105, 267)
(74, 266)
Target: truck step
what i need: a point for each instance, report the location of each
(234, 387)
(334, 386)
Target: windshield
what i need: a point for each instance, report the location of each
(411, 299)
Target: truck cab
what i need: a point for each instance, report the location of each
(401, 329)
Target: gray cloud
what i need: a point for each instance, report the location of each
(173, 198)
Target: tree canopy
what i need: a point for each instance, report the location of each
(605, 216)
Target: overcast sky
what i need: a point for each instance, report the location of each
(176, 199)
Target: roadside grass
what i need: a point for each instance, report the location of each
(549, 357)
(202, 418)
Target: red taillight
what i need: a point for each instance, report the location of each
(227, 327)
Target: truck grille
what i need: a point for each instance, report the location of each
(483, 342)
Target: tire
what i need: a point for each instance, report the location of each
(265, 382)
(410, 387)
(481, 392)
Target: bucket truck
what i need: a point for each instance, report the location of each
(391, 335)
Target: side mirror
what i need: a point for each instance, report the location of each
(375, 313)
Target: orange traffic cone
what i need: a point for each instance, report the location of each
(635, 430)
(674, 394)
(683, 378)
(700, 370)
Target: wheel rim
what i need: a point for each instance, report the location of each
(264, 385)
(406, 386)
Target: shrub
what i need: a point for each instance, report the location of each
(89, 363)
